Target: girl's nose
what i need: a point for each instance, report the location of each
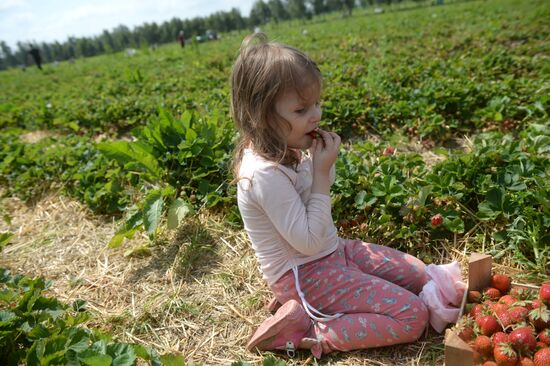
(316, 115)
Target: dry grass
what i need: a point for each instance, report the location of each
(196, 291)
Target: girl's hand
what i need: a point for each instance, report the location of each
(324, 151)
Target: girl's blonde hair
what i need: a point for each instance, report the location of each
(262, 72)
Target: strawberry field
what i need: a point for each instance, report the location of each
(444, 114)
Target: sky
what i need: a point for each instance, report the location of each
(51, 20)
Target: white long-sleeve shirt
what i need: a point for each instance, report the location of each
(286, 223)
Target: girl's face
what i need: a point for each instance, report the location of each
(303, 112)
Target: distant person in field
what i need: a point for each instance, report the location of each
(35, 54)
(181, 38)
(336, 294)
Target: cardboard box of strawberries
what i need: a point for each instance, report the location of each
(501, 322)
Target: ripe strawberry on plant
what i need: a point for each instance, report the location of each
(544, 293)
(437, 220)
(501, 282)
(490, 363)
(483, 345)
(542, 357)
(389, 150)
(505, 355)
(523, 339)
(488, 325)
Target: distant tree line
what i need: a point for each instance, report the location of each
(148, 34)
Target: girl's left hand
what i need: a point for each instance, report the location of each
(324, 150)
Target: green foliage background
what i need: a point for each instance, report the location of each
(150, 135)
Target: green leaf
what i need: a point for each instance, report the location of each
(79, 305)
(171, 359)
(132, 156)
(272, 361)
(177, 211)
(424, 193)
(152, 211)
(116, 241)
(96, 360)
(123, 354)
(5, 239)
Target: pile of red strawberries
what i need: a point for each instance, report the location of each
(507, 325)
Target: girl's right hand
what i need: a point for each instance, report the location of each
(324, 151)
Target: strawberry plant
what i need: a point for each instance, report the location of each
(40, 330)
(178, 163)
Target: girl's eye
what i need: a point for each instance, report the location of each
(300, 111)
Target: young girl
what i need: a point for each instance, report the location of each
(337, 294)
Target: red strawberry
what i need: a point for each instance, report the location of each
(437, 220)
(535, 304)
(544, 336)
(501, 282)
(474, 296)
(505, 355)
(523, 339)
(542, 357)
(541, 345)
(499, 308)
(544, 293)
(476, 311)
(500, 337)
(507, 299)
(490, 363)
(464, 328)
(492, 293)
(505, 319)
(488, 325)
(525, 361)
(483, 345)
(389, 150)
(518, 314)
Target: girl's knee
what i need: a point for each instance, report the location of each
(417, 322)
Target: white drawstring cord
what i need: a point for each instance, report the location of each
(322, 317)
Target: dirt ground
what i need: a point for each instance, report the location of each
(196, 291)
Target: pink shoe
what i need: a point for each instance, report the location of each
(273, 305)
(286, 330)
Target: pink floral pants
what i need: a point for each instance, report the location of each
(376, 288)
